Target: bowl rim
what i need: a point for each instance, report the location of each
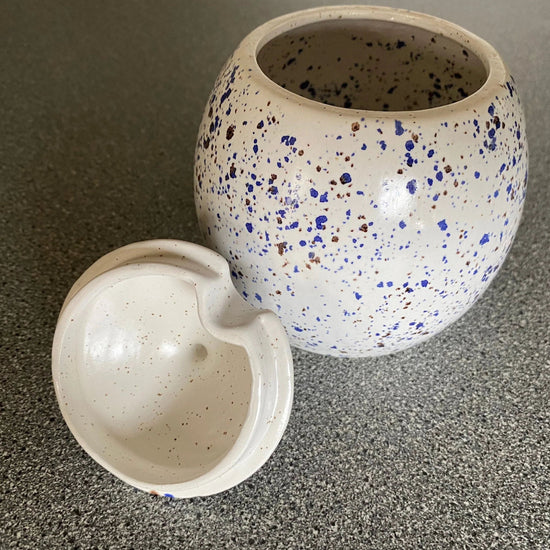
(496, 70)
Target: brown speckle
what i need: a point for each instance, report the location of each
(281, 247)
(230, 132)
(364, 228)
(355, 126)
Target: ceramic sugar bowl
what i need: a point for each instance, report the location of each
(363, 170)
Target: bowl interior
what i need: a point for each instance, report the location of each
(145, 387)
(372, 64)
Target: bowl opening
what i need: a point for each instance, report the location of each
(372, 64)
(146, 388)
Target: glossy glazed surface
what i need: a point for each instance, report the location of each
(165, 375)
(365, 231)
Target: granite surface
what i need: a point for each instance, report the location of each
(446, 445)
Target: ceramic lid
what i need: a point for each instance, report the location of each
(165, 375)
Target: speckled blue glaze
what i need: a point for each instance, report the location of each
(366, 231)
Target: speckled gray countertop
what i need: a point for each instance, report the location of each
(446, 445)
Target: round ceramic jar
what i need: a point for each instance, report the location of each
(363, 170)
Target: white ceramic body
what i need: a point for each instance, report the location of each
(381, 227)
(163, 373)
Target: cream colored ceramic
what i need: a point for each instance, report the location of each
(363, 170)
(165, 375)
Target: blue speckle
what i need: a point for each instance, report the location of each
(431, 153)
(380, 284)
(484, 239)
(409, 145)
(324, 197)
(255, 148)
(502, 168)
(258, 297)
(398, 128)
(168, 495)
(298, 329)
(430, 182)
(260, 124)
(476, 174)
(442, 225)
(389, 283)
(313, 192)
(411, 186)
(293, 225)
(495, 194)
(358, 296)
(364, 147)
(383, 145)
(419, 325)
(303, 243)
(225, 95)
(250, 227)
(345, 178)
(288, 140)
(491, 110)
(402, 224)
(320, 221)
(439, 176)
(424, 283)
